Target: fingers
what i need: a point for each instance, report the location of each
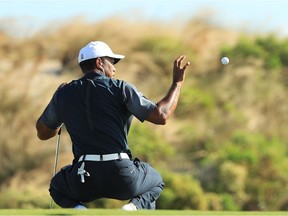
(178, 62)
(186, 65)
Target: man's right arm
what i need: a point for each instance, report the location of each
(166, 106)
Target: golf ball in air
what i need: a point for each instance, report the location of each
(225, 60)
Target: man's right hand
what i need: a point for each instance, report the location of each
(178, 70)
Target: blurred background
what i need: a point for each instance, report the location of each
(225, 147)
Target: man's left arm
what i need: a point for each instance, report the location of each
(44, 132)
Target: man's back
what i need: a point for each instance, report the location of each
(94, 113)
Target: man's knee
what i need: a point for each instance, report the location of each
(60, 197)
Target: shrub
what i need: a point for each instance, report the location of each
(181, 191)
(148, 145)
(24, 198)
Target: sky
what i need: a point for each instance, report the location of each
(249, 15)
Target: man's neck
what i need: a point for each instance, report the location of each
(95, 71)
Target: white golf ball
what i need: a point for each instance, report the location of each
(225, 60)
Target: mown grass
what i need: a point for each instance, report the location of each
(144, 212)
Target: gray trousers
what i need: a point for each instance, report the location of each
(119, 179)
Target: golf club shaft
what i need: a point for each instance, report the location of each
(56, 160)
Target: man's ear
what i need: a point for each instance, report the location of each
(99, 63)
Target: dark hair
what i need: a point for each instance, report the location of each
(89, 64)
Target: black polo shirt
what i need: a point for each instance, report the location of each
(97, 112)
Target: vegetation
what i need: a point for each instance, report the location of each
(224, 149)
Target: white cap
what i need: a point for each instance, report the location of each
(96, 49)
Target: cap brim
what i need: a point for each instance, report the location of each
(116, 57)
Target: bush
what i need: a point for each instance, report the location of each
(24, 198)
(148, 145)
(164, 49)
(271, 50)
(181, 191)
(194, 99)
(254, 157)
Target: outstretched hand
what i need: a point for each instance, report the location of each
(179, 70)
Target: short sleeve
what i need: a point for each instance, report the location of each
(137, 103)
(50, 116)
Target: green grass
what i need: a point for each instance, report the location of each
(120, 212)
